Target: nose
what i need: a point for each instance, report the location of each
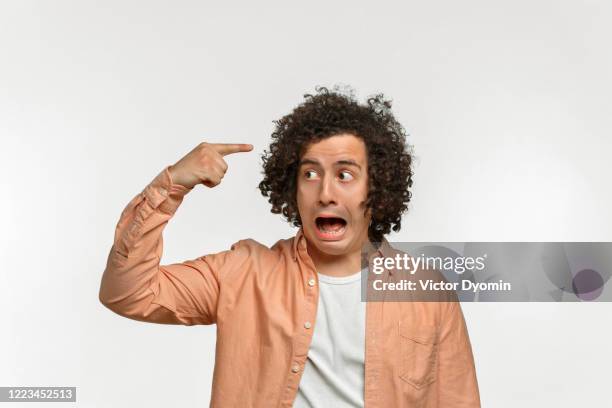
(327, 192)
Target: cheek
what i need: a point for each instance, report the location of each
(303, 200)
(358, 195)
(306, 192)
(357, 198)
(300, 196)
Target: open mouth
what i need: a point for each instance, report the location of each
(330, 226)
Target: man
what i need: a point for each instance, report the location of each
(291, 327)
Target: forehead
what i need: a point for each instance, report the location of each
(342, 146)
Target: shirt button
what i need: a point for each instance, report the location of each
(311, 282)
(295, 368)
(307, 325)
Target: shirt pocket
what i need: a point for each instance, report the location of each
(419, 353)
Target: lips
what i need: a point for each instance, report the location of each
(330, 227)
(330, 224)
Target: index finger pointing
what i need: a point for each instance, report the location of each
(229, 148)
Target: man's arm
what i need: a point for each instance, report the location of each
(457, 384)
(135, 285)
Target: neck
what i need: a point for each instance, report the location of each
(335, 265)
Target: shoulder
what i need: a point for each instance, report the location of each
(249, 251)
(252, 246)
(250, 259)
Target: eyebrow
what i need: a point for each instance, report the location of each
(346, 162)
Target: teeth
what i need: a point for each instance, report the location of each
(332, 231)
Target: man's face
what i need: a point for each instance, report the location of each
(332, 188)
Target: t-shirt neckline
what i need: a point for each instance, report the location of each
(339, 280)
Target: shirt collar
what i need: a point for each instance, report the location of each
(298, 241)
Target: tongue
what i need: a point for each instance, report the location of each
(331, 224)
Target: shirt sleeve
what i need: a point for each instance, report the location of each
(458, 387)
(136, 286)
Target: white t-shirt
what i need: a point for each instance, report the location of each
(334, 371)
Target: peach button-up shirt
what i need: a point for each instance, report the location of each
(418, 354)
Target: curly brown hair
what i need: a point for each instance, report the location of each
(329, 113)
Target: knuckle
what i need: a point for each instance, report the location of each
(209, 155)
(205, 149)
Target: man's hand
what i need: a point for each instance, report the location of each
(205, 164)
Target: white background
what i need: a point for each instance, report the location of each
(507, 105)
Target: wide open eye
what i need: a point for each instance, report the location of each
(310, 174)
(345, 175)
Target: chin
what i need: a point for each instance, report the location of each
(328, 247)
(331, 247)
